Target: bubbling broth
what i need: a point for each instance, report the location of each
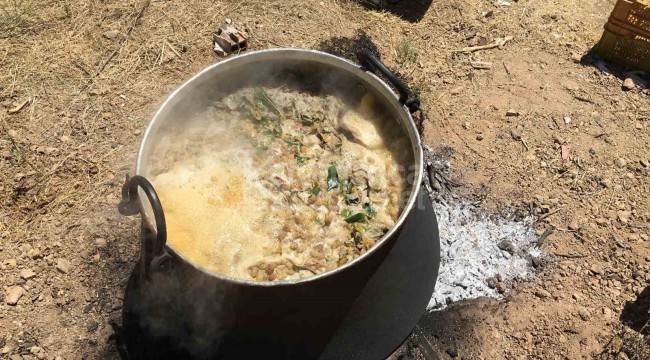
(273, 183)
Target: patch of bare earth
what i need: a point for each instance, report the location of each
(79, 81)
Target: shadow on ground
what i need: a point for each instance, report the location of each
(640, 78)
(409, 10)
(636, 314)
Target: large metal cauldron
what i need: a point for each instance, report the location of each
(363, 309)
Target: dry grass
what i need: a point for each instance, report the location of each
(64, 155)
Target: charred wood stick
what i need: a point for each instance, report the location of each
(543, 237)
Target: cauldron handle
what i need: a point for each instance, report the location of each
(373, 64)
(152, 256)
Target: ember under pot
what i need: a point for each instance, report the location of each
(364, 309)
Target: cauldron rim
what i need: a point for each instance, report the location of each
(279, 54)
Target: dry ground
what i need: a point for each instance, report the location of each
(91, 93)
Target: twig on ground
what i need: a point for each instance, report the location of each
(499, 42)
(570, 256)
(547, 232)
(549, 214)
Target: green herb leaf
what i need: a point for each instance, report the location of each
(370, 211)
(262, 100)
(351, 196)
(346, 213)
(358, 217)
(315, 189)
(292, 141)
(307, 120)
(317, 221)
(301, 158)
(332, 178)
(357, 234)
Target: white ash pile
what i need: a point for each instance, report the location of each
(481, 254)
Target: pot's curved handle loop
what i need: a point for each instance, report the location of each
(153, 253)
(372, 63)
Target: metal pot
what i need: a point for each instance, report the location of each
(207, 314)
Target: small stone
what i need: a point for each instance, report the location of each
(595, 269)
(584, 314)
(624, 216)
(567, 119)
(628, 84)
(644, 163)
(92, 326)
(13, 295)
(501, 287)
(107, 115)
(100, 242)
(575, 296)
(491, 282)
(638, 125)
(34, 254)
(457, 90)
(113, 35)
(576, 58)
(63, 265)
(574, 226)
(27, 274)
(542, 294)
(558, 140)
(607, 312)
(620, 162)
(512, 112)
(606, 183)
(602, 221)
(479, 137)
(506, 245)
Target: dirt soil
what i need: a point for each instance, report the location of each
(545, 127)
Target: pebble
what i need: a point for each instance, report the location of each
(63, 265)
(606, 183)
(567, 119)
(628, 84)
(13, 295)
(624, 216)
(601, 221)
(34, 254)
(584, 314)
(501, 287)
(512, 112)
(112, 35)
(575, 296)
(574, 226)
(644, 163)
(638, 126)
(595, 269)
(620, 162)
(506, 245)
(457, 90)
(542, 294)
(100, 242)
(607, 312)
(480, 137)
(492, 282)
(27, 274)
(92, 326)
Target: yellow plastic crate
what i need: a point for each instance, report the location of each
(635, 13)
(625, 47)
